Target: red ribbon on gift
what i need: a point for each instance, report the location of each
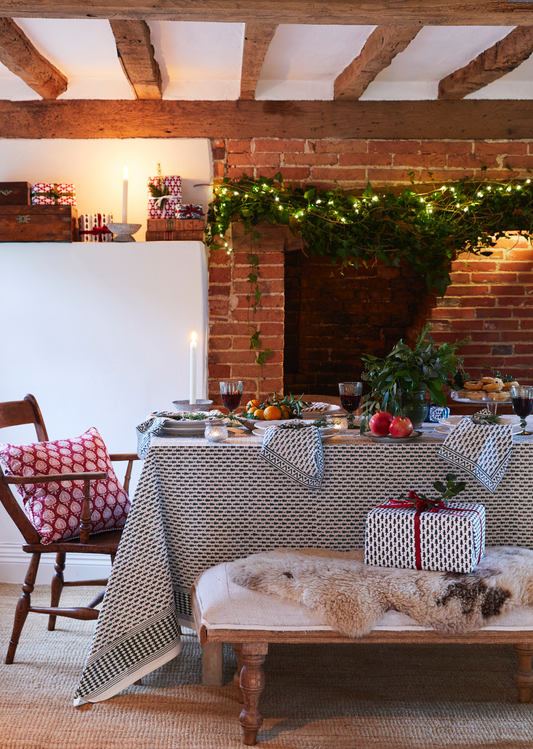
(414, 502)
(98, 231)
(189, 210)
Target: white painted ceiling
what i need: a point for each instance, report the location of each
(203, 61)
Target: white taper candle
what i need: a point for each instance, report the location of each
(192, 383)
(125, 180)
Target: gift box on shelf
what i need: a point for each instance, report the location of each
(53, 193)
(15, 193)
(163, 207)
(447, 538)
(38, 223)
(190, 211)
(171, 183)
(92, 227)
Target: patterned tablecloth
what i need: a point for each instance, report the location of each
(198, 504)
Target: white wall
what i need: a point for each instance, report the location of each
(99, 333)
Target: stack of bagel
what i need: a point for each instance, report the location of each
(487, 387)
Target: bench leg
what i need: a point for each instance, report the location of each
(237, 647)
(252, 684)
(212, 664)
(523, 678)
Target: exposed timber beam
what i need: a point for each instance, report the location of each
(493, 63)
(344, 12)
(75, 118)
(381, 47)
(19, 55)
(257, 38)
(136, 54)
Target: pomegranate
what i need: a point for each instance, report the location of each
(400, 427)
(379, 423)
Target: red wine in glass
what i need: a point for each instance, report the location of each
(231, 401)
(522, 399)
(350, 403)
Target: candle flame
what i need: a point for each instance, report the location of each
(193, 336)
(125, 173)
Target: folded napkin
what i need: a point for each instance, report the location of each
(296, 450)
(483, 450)
(154, 424)
(321, 407)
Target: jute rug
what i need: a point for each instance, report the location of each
(321, 697)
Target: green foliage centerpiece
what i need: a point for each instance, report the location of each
(404, 371)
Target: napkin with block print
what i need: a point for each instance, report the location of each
(483, 450)
(295, 450)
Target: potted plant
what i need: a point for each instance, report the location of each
(399, 381)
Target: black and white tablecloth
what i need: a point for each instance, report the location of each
(199, 504)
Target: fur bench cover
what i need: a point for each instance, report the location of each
(352, 597)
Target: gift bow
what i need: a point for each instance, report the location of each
(54, 193)
(159, 201)
(97, 231)
(414, 502)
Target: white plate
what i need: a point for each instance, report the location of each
(454, 420)
(263, 426)
(323, 436)
(486, 397)
(447, 428)
(182, 433)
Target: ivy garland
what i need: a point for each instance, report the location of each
(426, 229)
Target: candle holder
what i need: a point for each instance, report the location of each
(124, 232)
(216, 430)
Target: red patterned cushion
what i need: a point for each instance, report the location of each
(54, 509)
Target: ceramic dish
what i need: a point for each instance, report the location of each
(263, 426)
(323, 437)
(395, 440)
(452, 421)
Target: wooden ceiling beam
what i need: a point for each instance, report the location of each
(75, 118)
(136, 55)
(343, 12)
(493, 63)
(380, 49)
(19, 55)
(257, 38)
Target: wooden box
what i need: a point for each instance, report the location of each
(38, 223)
(15, 193)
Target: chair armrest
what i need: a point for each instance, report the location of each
(124, 456)
(54, 477)
(130, 457)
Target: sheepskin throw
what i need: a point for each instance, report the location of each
(352, 597)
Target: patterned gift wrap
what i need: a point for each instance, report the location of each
(93, 227)
(450, 540)
(163, 207)
(190, 211)
(173, 183)
(53, 193)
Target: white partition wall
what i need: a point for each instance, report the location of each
(99, 333)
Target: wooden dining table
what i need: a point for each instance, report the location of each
(198, 504)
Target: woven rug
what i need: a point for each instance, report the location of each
(316, 697)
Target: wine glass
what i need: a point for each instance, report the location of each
(522, 397)
(231, 392)
(350, 393)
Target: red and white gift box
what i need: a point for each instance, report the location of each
(92, 227)
(53, 193)
(164, 207)
(173, 183)
(190, 211)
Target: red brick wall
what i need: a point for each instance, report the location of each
(491, 300)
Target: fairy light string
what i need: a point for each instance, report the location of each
(427, 227)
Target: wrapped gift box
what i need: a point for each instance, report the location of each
(449, 540)
(160, 208)
(53, 193)
(173, 183)
(190, 211)
(92, 227)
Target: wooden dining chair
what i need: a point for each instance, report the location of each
(27, 411)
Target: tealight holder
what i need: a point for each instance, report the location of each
(339, 422)
(216, 430)
(124, 232)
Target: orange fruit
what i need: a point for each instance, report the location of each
(272, 413)
(259, 413)
(252, 405)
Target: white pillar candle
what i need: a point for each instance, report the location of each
(192, 383)
(125, 180)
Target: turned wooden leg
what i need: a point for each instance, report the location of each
(237, 649)
(212, 664)
(252, 684)
(23, 605)
(57, 586)
(523, 678)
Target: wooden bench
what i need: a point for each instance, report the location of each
(225, 612)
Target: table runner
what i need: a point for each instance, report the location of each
(199, 504)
